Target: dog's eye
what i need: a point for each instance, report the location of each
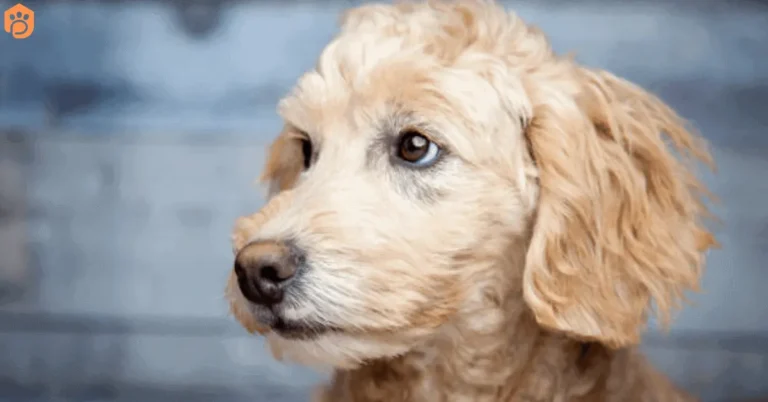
(306, 150)
(417, 149)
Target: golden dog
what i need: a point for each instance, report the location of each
(458, 214)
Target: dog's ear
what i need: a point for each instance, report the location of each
(285, 162)
(619, 219)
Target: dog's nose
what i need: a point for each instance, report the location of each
(263, 270)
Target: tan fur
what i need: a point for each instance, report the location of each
(523, 267)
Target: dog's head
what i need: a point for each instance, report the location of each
(440, 160)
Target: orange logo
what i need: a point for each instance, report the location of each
(19, 21)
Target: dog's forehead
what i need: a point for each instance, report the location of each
(353, 98)
(360, 83)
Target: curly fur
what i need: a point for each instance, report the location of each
(523, 266)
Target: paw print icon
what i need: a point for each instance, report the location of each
(19, 21)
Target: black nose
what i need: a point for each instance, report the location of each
(264, 270)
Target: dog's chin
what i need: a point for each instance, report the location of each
(312, 342)
(309, 342)
(332, 349)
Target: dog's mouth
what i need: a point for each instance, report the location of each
(288, 328)
(299, 330)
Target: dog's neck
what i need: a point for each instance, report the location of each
(495, 351)
(500, 354)
(497, 355)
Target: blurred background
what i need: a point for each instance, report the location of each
(131, 133)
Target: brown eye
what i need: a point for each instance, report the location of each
(417, 149)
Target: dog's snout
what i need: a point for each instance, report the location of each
(264, 270)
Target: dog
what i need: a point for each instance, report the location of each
(457, 213)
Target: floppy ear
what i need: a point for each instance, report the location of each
(619, 219)
(284, 164)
